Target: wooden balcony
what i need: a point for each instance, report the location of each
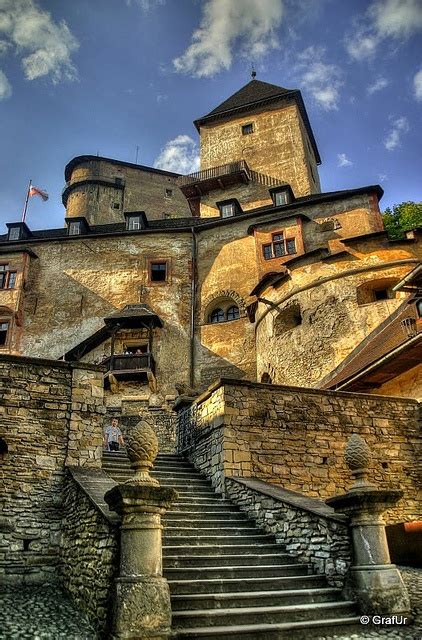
(196, 184)
(130, 366)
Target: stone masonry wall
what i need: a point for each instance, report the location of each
(295, 438)
(320, 540)
(51, 413)
(90, 547)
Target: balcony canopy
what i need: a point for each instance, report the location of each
(133, 316)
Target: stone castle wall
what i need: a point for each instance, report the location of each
(139, 190)
(276, 147)
(295, 438)
(51, 415)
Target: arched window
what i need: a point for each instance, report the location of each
(217, 315)
(233, 313)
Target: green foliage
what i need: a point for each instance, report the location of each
(404, 216)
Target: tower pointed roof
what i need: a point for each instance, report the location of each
(253, 95)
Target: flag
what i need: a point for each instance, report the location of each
(34, 191)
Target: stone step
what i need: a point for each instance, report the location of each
(202, 530)
(233, 560)
(205, 584)
(209, 522)
(267, 615)
(191, 492)
(188, 509)
(247, 571)
(343, 627)
(246, 550)
(186, 602)
(222, 517)
(180, 473)
(173, 539)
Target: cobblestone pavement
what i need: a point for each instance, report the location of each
(41, 613)
(46, 613)
(413, 581)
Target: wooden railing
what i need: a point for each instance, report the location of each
(129, 362)
(226, 170)
(214, 172)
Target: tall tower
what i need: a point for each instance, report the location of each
(268, 127)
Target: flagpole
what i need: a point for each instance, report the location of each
(26, 202)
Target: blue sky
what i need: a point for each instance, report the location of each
(87, 77)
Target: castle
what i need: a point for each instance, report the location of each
(244, 269)
(240, 296)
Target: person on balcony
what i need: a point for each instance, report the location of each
(113, 437)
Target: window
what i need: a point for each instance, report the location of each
(280, 198)
(7, 278)
(279, 247)
(158, 271)
(4, 327)
(133, 223)
(381, 294)
(74, 228)
(247, 129)
(169, 193)
(116, 205)
(233, 313)
(224, 312)
(227, 210)
(217, 316)
(14, 233)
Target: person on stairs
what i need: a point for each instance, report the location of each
(113, 437)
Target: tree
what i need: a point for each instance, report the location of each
(404, 216)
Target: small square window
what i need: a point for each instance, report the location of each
(247, 129)
(169, 193)
(158, 271)
(281, 198)
(227, 210)
(74, 228)
(14, 233)
(134, 223)
(116, 205)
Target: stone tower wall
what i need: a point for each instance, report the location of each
(277, 147)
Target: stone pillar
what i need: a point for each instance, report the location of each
(375, 582)
(142, 598)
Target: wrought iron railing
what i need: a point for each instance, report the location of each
(129, 362)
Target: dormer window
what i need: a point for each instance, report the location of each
(14, 233)
(77, 226)
(136, 221)
(17, 231)
(74, 228)
(282, 195)
(229, 208)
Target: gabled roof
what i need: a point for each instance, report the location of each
(255, 94)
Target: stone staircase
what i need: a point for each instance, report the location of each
(228, 579)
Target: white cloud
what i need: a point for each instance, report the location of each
(45, 47)
(382, 177)
(5, 88)
(180, 155)
(322, 80)
(378, 85)
(161, 97)
(417, 85)
(146, 5)
(247, 26)
(399, 126)
(343, 160)
(397, 19)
